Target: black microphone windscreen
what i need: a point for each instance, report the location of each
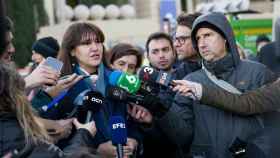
(148, 74)
(93, 101)
(116, 93)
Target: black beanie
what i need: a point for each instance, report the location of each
(209, 26)
(47, 47)
(212, 27)
(262, 38)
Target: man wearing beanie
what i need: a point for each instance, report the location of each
(43, 48)
(205, 131)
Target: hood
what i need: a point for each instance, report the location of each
(219, 21)
(277, 37)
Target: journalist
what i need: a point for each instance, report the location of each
(22, 133)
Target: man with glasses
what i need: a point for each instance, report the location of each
(186, 55)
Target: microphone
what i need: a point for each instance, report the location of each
(117, 93)
(89, 101)
(148, 100)
(118, 133)
(165, 79)
(53, 103)
(130, 83)
(61, 96)
(148, 74)
(160, 78)
(93, 102)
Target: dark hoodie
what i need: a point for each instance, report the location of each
(277, 36)
(218, 23)
(208, 130)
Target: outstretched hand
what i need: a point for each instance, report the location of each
(63, 84)
(188, 89)
(42, 75)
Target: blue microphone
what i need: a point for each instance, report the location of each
(54, 102)
(118, 133)
(60, 96)
(114, 77)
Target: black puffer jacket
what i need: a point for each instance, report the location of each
(11, 135)
(12, 138)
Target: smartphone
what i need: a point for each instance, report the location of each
(67, 76)
(54, 63)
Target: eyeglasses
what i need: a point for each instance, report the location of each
(181, 39)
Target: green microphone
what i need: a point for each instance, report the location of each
(129, 82)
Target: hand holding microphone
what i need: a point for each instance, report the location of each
(89, 102)
(118, 134)
(151, 103)
(88, 126)
(60, 90)
(130, 148)
(42, 75)
(157, 106)
(159, 78)
(92, 103)
(188, 89)
(124, 146)
(140, 114)
(135, 108)
(149, 79)
(63, 84)
(119, 94)
(132, 85)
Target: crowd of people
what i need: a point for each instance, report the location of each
(217, 105)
